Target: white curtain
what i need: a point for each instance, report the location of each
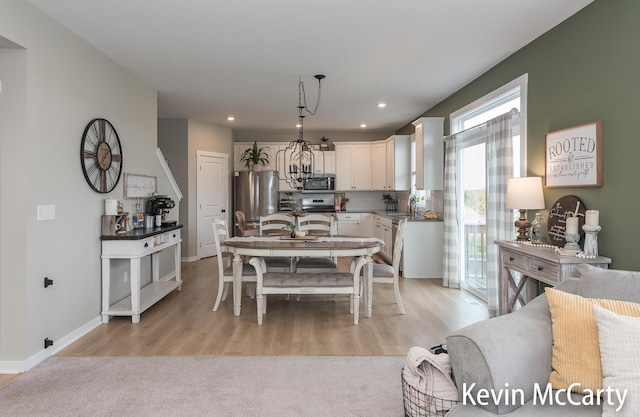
(499, 219)
(451, 278)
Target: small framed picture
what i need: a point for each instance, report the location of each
(139, 186)
(573, 156)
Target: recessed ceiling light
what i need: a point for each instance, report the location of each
(231, 118)
(382, 105)
(363, 125)
(298, 125)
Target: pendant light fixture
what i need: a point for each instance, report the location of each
(299, 160)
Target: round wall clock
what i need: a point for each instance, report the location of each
(101, 155)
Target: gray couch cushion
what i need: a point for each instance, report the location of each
(609, 284)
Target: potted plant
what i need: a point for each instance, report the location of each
(388, 198)
(255, 156)
(413, 200)
(291, 227)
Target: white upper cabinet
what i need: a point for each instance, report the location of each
(353, 166)
(329, 163)
(379, 166)
(390, 163)
(399, 163)
(429, 153)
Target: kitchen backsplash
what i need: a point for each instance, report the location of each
(368, 201)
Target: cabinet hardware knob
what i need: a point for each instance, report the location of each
(511, 258)
(146, 245)
(539, 268)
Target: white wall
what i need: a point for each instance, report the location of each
(68, 83)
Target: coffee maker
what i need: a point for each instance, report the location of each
(159, 206)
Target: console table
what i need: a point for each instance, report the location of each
(135, 245)
(536, 264)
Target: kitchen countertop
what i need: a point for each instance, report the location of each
(402, 215)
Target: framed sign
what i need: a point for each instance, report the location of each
(573, 156)
(557, 222)
(139, 186)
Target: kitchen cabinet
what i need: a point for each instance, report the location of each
(423, 250)
(379, 165)
(390, 164)
(429, 132)
(329, 164)
(353, 166)
(398, 162)
(383, 230)
(349, 224)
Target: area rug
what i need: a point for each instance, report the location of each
(208, 386)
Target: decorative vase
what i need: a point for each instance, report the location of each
(539, 233)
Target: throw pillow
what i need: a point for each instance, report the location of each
(619, 340)
(576, 353)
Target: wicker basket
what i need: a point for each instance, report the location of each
(419, 404)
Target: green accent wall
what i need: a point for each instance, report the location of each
(585, 69)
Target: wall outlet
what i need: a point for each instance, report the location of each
(126, 276)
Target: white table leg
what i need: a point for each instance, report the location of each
(106, 288)
(135, 290)
(368, 287)
(237, 284)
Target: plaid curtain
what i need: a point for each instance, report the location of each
(499, 220)
(451, 277)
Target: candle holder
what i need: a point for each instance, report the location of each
(572, 241)
(591, 239)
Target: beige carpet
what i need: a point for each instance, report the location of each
(208, 386)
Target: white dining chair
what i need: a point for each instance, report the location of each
(389, 274)
(317, 225)
(225, 267)
(276, 225)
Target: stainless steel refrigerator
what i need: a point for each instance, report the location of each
(255, 194)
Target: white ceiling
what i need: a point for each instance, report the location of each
(209, 58)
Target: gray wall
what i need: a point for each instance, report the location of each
(584, 69)
(51, 89)
(179, 140)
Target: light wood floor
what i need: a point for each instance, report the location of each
(182, 324)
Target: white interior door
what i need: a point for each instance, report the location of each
(212, 199)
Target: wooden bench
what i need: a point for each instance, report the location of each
(307, 283)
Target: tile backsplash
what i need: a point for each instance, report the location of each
(368, 201)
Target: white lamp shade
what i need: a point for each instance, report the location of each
(525, 193)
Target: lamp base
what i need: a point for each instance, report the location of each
(523, 226)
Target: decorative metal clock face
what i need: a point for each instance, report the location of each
(101, 155)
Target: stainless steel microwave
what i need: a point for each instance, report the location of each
(327, 183)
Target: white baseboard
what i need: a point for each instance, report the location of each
(17, 367)
(190, 259)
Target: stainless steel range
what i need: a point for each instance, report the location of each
(318, 205)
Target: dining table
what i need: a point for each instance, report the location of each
(310, 246)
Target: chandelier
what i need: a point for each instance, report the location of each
(299, 161)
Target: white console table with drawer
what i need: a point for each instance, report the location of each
(535, 263)
(135, 245)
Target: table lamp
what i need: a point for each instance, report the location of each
(524, 193)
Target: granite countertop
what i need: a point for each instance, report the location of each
(403, 215)
(139, 234)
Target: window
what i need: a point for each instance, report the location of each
(421, 194)
(471, 174)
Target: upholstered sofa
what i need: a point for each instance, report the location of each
(514, 351)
